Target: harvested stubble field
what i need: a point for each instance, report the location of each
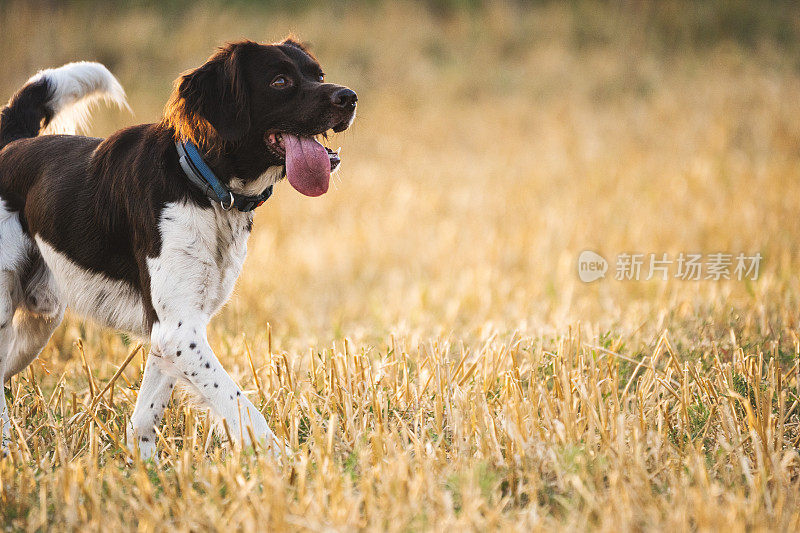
(419, 336)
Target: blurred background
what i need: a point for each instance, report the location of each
(494, 142)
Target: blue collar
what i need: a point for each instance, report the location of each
(204, 178)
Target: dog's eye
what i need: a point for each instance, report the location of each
(321, 77)
(281, 82)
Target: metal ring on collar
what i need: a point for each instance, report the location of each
(229, 205)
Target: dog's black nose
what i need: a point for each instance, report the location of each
(344, 98)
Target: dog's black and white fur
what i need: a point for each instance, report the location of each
(114, 230)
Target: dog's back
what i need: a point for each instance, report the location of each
(24, 161)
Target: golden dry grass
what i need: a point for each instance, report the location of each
(431, 356)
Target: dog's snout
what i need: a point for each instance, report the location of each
(344, 98)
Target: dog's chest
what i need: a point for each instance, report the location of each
(233, 230)
(202, 253)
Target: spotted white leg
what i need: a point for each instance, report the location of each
(154, 395)
(184, 348)
(190, 280)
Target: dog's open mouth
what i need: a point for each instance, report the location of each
(308, 163)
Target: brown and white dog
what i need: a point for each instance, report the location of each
(118, 231)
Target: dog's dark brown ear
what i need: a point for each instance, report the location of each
(217, 93)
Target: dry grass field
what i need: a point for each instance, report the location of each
(419, 336)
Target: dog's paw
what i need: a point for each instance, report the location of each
(142, 446)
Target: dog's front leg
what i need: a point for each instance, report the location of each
(186, 286)
(183, 345)
(154, 395)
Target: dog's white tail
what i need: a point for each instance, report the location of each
(74, 88)
(58, 100)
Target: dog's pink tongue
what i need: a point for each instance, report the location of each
(308, 166)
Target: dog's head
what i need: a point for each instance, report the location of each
(271, 96)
